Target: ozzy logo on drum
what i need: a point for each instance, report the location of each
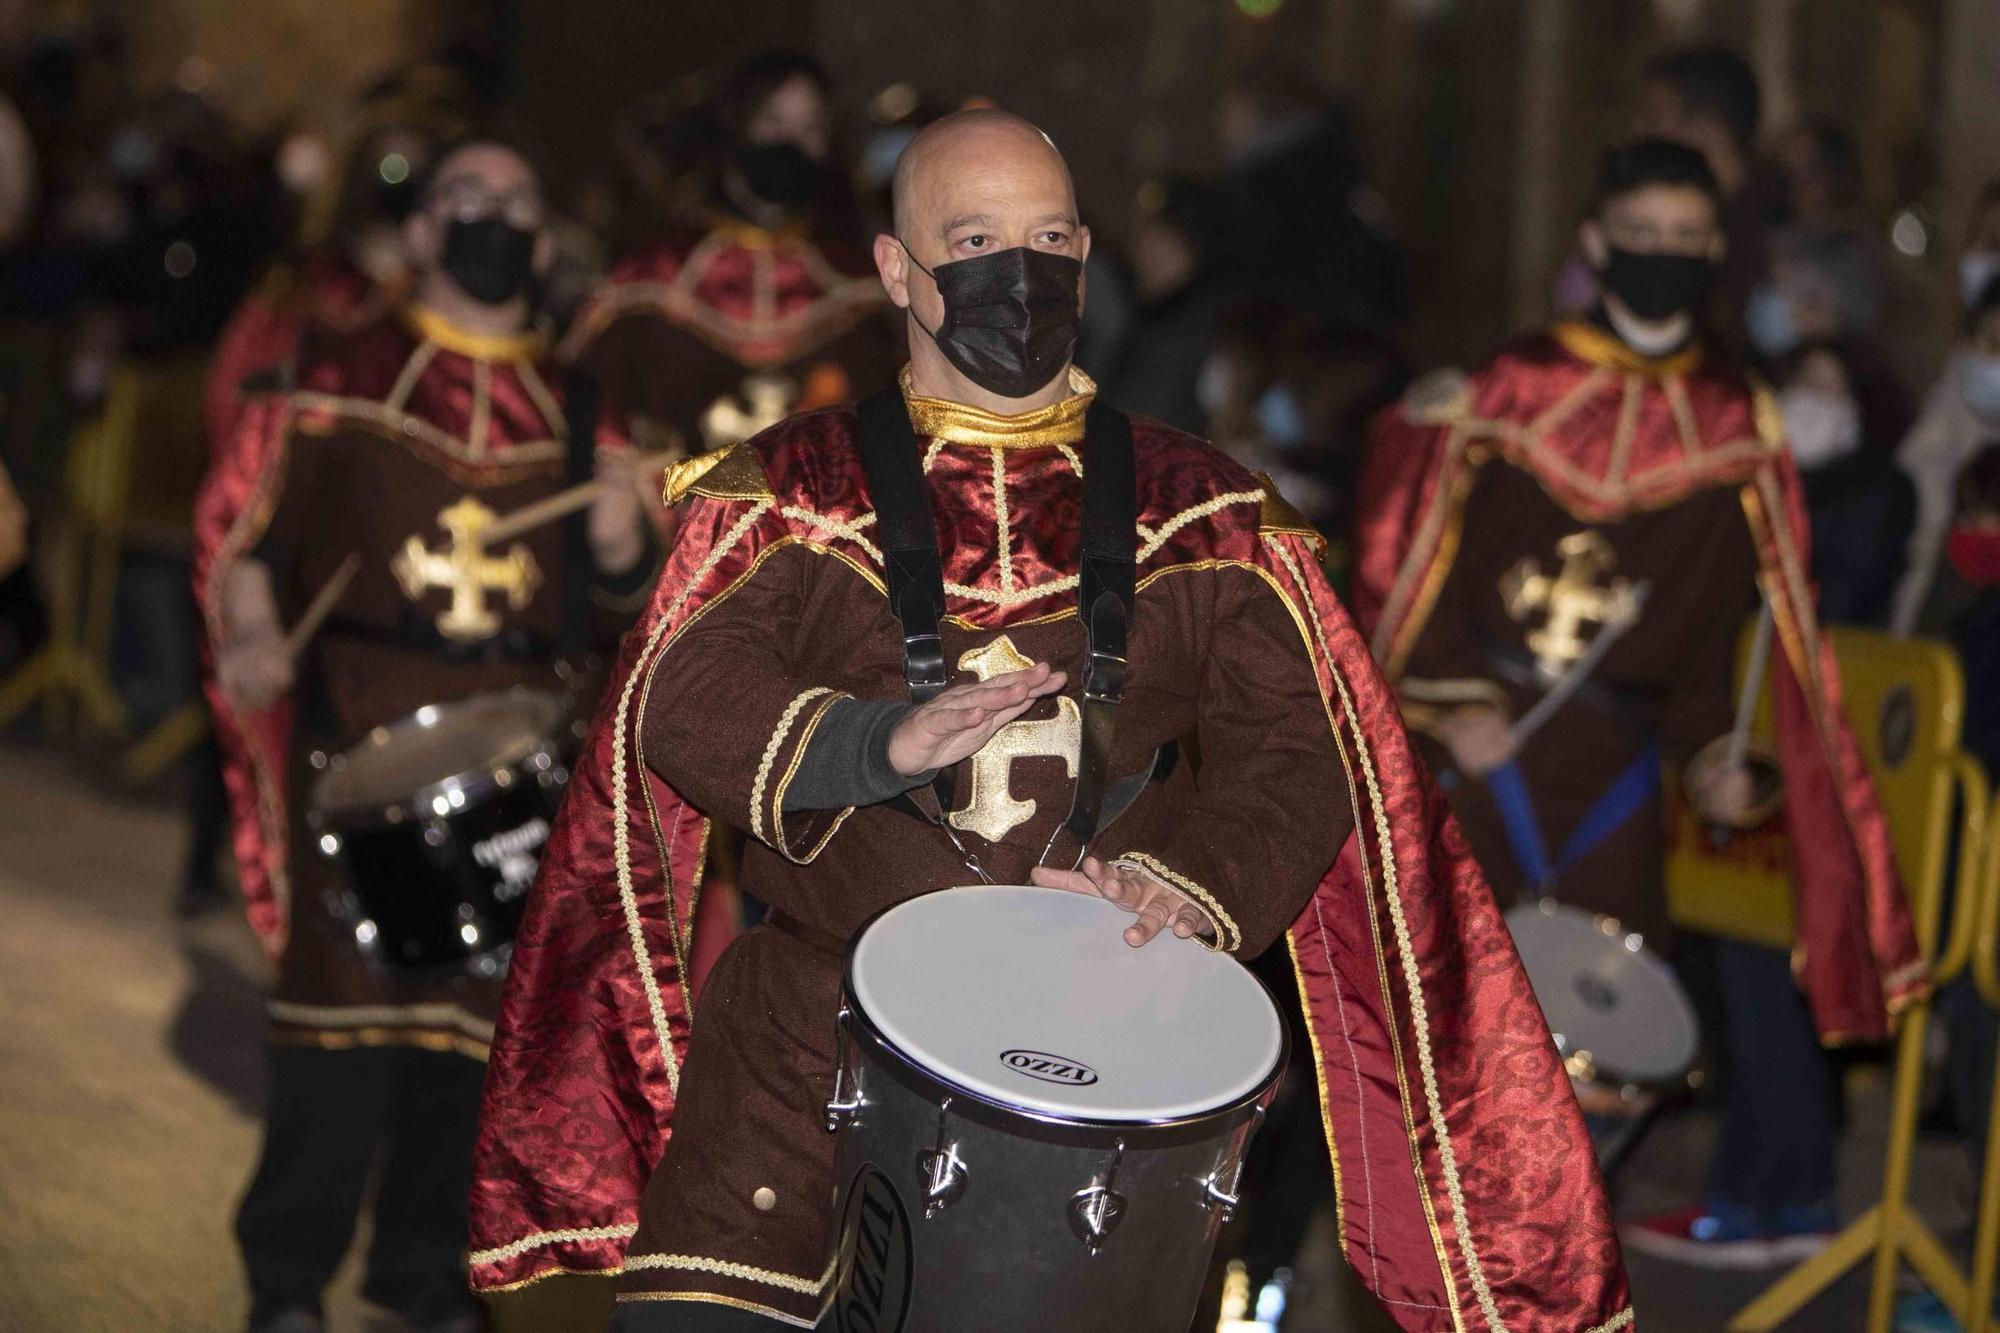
(1049, 1068)
(872, 1291)
(512, 853)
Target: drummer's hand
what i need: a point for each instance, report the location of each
(252, 664)
(1725, 793)
(1476, 735)
(1157, 906)
(617, 514)
(254, 669)
(963, 718)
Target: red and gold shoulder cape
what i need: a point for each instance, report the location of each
(1463, 1175)
(762, 297)
(1608, 433)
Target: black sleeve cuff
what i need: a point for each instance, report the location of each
(846, 763)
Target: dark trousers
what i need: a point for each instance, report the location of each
(1778, 1135)
(331, 1116)
(694, 1317)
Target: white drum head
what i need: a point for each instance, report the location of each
(1032, 998)
(1605, 994)
(437, 744)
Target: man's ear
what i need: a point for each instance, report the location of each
(1590, 239)
(1083, 255)
(421, 240)
(893, 266)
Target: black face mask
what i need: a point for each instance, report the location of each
(1009, 317)
(490, 259)
(779, 173)
(1656, 286)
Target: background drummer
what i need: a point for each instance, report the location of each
(396, 448)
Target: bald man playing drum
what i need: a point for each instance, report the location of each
(960, 634)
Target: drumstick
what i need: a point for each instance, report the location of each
(1579, 671)
(320, 607)
(562, 503)
(1753, 685)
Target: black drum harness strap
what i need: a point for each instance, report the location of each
(914, 571)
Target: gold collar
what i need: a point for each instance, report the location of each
(428, 324)
(956, 423)
(1589, 343)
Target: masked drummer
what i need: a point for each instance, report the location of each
(769, 685)
(398, 447)
(1606, 478)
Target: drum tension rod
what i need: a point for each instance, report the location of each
(944, 1171)
(1096, 1210)
(842, 1108)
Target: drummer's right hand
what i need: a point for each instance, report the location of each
(1476, 735)
(963, 718)
(254, 669)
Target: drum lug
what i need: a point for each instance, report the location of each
(846, 1103)
(944, 1170)
(1222, 1202)
(1096, 1210)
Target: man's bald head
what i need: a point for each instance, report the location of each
(966, 143)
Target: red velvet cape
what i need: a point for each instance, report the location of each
(1466, 1185)
(1607, 434)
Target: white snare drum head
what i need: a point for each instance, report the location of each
(1032, 998)
(435, 744)
(1605, 994)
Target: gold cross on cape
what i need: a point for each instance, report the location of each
(467, 572)
(991, 811)
(1576, 596)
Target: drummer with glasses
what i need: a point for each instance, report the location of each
(911, 645)
(379, 474)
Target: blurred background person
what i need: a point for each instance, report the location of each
(759, 303)
(1960, 412)
(1156, 370)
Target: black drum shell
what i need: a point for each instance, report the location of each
(413, 883)
(1004, 1255)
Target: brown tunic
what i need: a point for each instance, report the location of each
(390, 444)
(1216, 657)
(1507, 621)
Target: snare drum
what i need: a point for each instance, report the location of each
(1621, 1021)
(438, 821)
(1041, 1127)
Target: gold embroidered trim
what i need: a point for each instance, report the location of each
(1003, 539)
(621, 836)
(378, 1015)
(736, 475)
(778, 797)
(406, 379)
(1623, 1319)
(1588, 343)
(694, 1263)
(575, 1236)
(1229, 938)
(372, 1038)
(759, 822)
(1070, 456)
(400, 425)
(482, 408)
(1278, 515)
(1058, 423)
(709, 1298)
(1412, 979)
(432, 327)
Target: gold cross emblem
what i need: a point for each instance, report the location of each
(464, 568)
(1577, 595)
(991, 811)
(769, 398)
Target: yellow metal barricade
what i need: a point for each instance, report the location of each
(1984, 947)
(1905, 700)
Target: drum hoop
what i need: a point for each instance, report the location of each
(1607, 1074)
(472, 783)
(984, 1109)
